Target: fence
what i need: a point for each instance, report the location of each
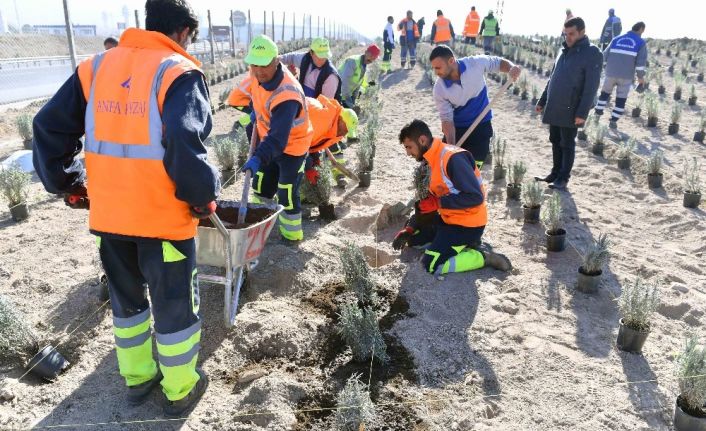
(35, 60)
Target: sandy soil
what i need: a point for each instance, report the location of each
(481, 350)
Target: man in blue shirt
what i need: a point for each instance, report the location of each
(461, 95)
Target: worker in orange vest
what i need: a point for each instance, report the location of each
(442, 31)
(457, 202)
(145, 112)
(409, 36)
(470, 29)
(284, 133)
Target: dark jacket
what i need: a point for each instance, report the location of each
(572, 87)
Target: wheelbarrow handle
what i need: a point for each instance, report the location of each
(219, 225)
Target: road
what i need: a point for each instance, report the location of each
(32, 82)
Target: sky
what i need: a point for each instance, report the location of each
(368, 17)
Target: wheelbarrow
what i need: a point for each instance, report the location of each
(223, 243)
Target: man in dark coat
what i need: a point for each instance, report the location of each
(568, 97)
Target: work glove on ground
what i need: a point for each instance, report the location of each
(402, 238)
(78, 198)
(312, 175)
(205, 211)
(252, 165)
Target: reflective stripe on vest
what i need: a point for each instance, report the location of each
(297, 121)
(444, 176)
(153, 151)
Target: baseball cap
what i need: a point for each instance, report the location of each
(351, 119)
(321, 48)
(262, 51)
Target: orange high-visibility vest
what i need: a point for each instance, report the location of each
(402, 27)
(264, 102)
(240, 95)
(440, 185)
(130, 191)
(443, 29)
(324, 114)
(472, 25)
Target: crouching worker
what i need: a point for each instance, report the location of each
(462, 214)
(284, 130)
(331, 123)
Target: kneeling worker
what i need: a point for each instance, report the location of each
(457, 184)
(284, 130)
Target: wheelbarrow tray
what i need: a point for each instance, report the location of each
(246, 242)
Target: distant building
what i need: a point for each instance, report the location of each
(79, 30)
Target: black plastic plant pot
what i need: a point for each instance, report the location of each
(227, 177)
(624, 163)
(47, 364)
(661, 89)
(654, 181)
(556, 241)
(684, 421)
(498, 172)
(534, 101)
(692, 101)
(692, 200)
(700, 77)
(516, 91)
(27, 144)
(547, 73)
(699, 137)
(514, 191)
(631, 340)
(588, 283)
(19, 212)
(652, 122)
(364, 178)
(327, 212)
(673, 129)
(677, 95)
(531, 215)
(597, 149)
(636, 112)
(524, 95)
(581, 135)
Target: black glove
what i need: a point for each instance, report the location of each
(202, 212)
(78, 198)
(371, 83)
(402, 238)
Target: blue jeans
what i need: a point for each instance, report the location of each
(563, 141)
(488, 43)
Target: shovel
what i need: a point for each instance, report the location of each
(243, 209)
(344, 170)
(482, 115)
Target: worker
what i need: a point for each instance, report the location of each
(625, 56)
(470, 29)
(145, 112)
(284, 133)
(442, 31)
(110, 42)
(353, 77)
(489, 30)
(611, 29)
(461, 95)
(330, 123)
(388, 41)
(316, 73)
(457, 194)
(409, 36)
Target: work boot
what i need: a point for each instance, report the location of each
(547, 179)
(497, 261)
(137, 394)
(559, 185)
(178, 408)
(598, 112)
(613, 124)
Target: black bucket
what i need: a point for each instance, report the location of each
(47, 364)
(588, 283)
(556, 241)
(692, 200)
(531, 215)
(631, 340)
